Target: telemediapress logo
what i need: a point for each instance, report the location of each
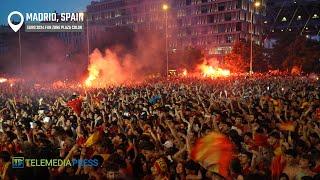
(21, 162)
(48, 22)
(18, 162)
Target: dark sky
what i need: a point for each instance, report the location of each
(35, 6)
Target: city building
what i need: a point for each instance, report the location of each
(4, 44)
(74, 41)
(212, 25)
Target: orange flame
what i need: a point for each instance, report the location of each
(107, 69)
(3, 80)
(210, 68)
(213, 72)
(184, 72)
(93, 75)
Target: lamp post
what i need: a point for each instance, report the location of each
(165, 8)
(256, 5)
(20, 57)
(88, 38)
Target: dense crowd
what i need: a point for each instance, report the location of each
(147, 131)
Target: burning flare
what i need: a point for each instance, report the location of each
(213, 72)
(210, 68)
(184, 72)
(3, 80)
(93, 75)
(107, 69)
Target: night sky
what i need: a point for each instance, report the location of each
(35, 6)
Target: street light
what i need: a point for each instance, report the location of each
(257, 4)
(165, 8)
(88, 38)
(20, 57)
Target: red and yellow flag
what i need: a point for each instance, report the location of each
(214, 152)
(94, 138)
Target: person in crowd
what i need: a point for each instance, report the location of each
(148, 130)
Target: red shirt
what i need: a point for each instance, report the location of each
(18, 148)
(246, 170)
(260, 139)
(81, 140)
(316, 169)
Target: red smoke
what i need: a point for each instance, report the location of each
(109, 69)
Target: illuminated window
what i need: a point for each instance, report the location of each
(229, 39)
(219, 50)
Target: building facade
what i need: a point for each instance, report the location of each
(74, 41)
(211, 25)
(4, 44)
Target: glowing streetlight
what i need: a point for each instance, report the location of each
(88, 38)
(256, 5)
(165, 7)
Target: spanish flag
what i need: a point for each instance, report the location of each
(94, 138)
(214, 152)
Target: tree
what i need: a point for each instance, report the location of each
(237, 59)
(303, 53)
(235, 63)
(187, 58)
(192, 57)
(278, 53)
(293, 50)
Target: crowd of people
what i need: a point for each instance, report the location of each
(147, 131)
